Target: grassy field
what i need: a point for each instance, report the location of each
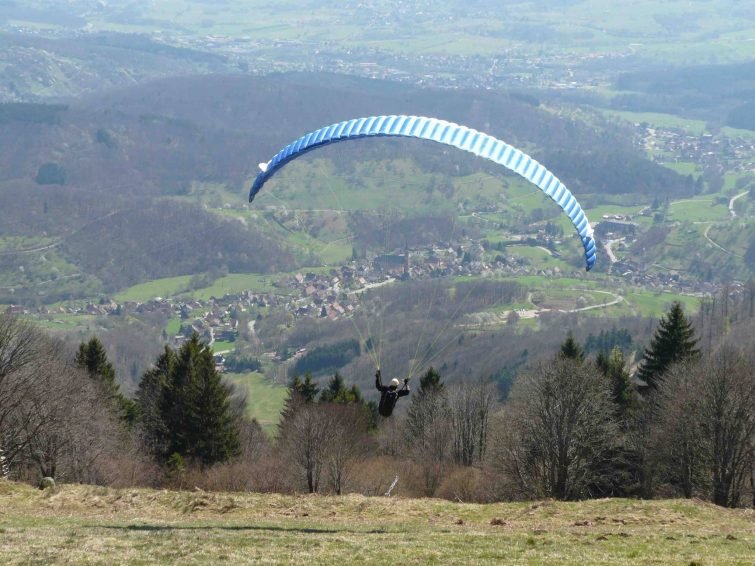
(694, 127)
(237, 282)
(265, 399)
(166, 287)
(78, 524)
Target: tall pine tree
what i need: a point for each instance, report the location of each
(92, 357)
(674, 341)
(623, 392)
(571, 350)
(189, 406)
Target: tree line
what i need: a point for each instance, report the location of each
(679, 423)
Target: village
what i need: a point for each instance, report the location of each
(336, 292)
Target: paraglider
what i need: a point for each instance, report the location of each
(389, 394)
(441, 131)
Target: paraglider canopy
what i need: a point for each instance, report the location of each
(448, 133)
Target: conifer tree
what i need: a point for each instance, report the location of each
(337, 392)
(672, 342)
(430, 382)
(192, 414)
(613, 366)
(92, 357)
(148, 398)
(571, 350)
(299, 391)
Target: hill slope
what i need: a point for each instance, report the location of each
(84, 523)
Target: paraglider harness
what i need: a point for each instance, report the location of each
(389, 395)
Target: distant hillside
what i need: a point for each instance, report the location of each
(39, 68)
(158, 137)
(93, 174)
(166, 239)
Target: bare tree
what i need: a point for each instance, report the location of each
(706, 424)
(428, 431)
(677, 443)
(304, 441)
(557, 426)
(67, 423)
(23, 348)
(470, 405)
(347, 442)
(727, 409)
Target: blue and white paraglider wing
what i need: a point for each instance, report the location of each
(448, 133)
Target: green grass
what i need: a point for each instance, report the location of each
(223, 346)
(653, 304)
(173, 326)
(698, 210)
(684, 168)
(85, 524)
(237, 282)
(694, 127)
(166, 287)
(265, 399)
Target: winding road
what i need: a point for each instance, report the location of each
(733, 200)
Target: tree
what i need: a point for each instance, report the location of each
(706, 425)
(148, 397)
(67, 423)
(21, 348)
(571, 350)
(470, 405)
(92, 358)
(337, 392)
(303, 441)
(299, 391)
(672, 342)
(189, 407)
(679, 455)
(623, 392)
(346, 441)
(557, 425)
(427, 430)
(51, 174)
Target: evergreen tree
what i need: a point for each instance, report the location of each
(148, 398)
(300, 391)
(337, 392)
(92, 357)
(571, 350)
(613, 366)
(430, 382)
(188, 406)
(306, 387)
(672, 342)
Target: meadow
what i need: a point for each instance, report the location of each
(97, 525)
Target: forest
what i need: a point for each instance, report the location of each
(573, 426)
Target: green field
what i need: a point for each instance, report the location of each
(672, 31)
(265, 399)
(166, 287)
(694, 127)
(238, 282)
(698, 210)
(84, 524)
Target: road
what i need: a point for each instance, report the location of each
(31, 250)
(733, 200)
(371, 286)
(616, 300)
(609, 249)
(705, 235)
